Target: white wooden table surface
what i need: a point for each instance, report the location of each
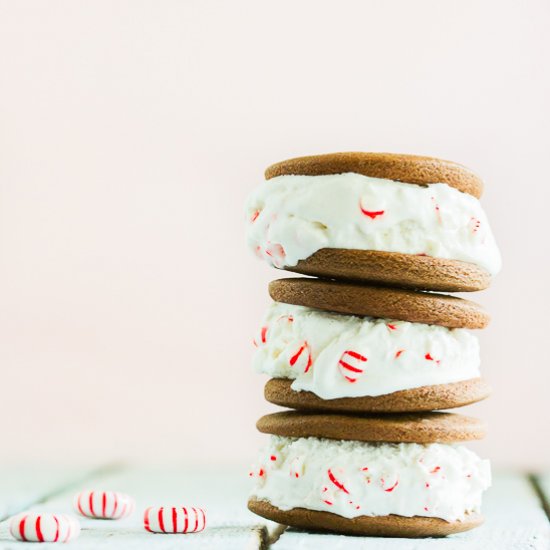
(514, 509)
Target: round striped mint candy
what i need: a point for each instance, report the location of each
(44, 527)
(166, 519)
(103, 504)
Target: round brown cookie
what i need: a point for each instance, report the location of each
(432, 427)
(378, 526)
(425, 398)
(377, 301)
(403, 168)
(394, 269)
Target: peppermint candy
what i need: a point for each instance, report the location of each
(103, 504)
(174, 519)
(371, 212)
(44, 527)
(351, 365)
(302, 359)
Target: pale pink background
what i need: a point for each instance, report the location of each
(130, 134)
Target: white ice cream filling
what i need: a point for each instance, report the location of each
(292, 217)
(351, 478)
(337, 356)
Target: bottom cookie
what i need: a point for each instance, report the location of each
(379, 526)
(425, 398)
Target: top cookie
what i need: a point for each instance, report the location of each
(433, 427)
(404, 168)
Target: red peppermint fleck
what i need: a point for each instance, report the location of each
(275, 250)
(327, 502)
(427, 485)
(264, 334)
(296, 356)
(428, 357)
(391, 327)
(421, 254)
(426, 508)
(391, 488)
(295, 466)
(277, 253)
(435, 470)
(474, 224)
(437, 211)
(273, 458)
(349, 365)
(365, 469)
(372, 214)
(398, 353)
(289, 318)
(260, 473)
(337, 483)
(254, 216)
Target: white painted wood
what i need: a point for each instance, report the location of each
(21, 486)
(514, 520)
(514, 517)
(215, 538)
(222, 494)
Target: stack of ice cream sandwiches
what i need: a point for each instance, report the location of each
(367, 349)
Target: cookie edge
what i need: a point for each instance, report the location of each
(405, 168)
(349, 298)
(388, 526)
(410, 427)
(279, 392)
(407, 271)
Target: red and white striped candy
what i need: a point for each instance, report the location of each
(351, 365)
(44, 527)
(166, 519)
(103, 504)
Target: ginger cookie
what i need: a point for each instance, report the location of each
(395, 269)
(369, 526)
(377, 301)
(426, 398)
(403, 168)
(434, 427)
